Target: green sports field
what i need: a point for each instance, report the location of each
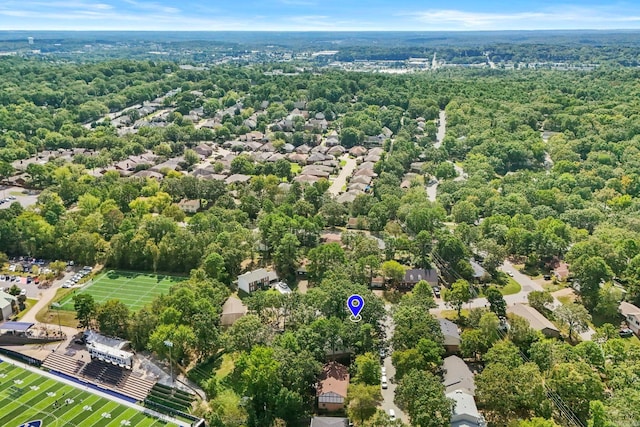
(27, 396)
(134, 289)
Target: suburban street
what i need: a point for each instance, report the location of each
(345, 172)
(389, 393)
(432, 190)
(527, 285)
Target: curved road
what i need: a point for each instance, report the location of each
(527, 285)
(432, 190)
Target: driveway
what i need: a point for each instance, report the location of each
(527, 285)
(389, 393)
(345, 172)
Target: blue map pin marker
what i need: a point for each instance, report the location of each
(355, 303)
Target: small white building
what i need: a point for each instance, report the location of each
(189, 206)
(252, 281)
(631, 315)
(6, 305)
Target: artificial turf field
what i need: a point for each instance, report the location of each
(26, 396)
(133, 289)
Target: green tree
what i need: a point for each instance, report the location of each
(421, 395)
(325, 258)
(367, 369)
(362, 401)
(497, 304)
(574, 316)
(590, 271)
(458, 295)
(540, 300)
(213, 265)
(85, 307)
(113, 318)
(393, 271)
(247, 332)
(577, 384)
(286, 256)
(506, 393)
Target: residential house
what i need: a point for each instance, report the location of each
(460, 386)
(413, 276)
(329, 422)
(631, 315)
(149, 174)
(332, 387)
(536, 320)
(465, 412)
(479, 273)
(7, 303)
(232, 310)
(189, 206)
(357, 151)
(237, 178)
(348, 197)
(451, 335)
(204, 150)
(251, 281)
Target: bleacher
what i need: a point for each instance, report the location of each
(102, 374)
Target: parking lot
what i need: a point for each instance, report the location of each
(16, 194)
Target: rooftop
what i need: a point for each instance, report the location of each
(334, 379)
(458, 376)
(536, 320)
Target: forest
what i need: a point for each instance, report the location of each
(551, 167)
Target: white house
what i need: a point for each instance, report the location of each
(631, 314)
(6, 309)
(251, 281)
(465, 413)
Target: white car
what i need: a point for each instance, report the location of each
(384, 382)
(392, 415)
(510, 274)
(23, 292)
(383, 370)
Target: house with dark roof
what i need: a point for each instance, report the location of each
(332, 387)
(329, 422)
(413, 276)
(451, 334)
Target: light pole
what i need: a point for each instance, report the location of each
(57, 307)
(170, 345)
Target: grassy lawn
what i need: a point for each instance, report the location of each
(343, 163)
(134, 289)
(28, 396)
(565, 299)
(552, 287)
(226, 366)
(27, 306)
(453, 314)
(512, 287)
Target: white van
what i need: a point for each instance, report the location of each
(392, 415)
(384, 382)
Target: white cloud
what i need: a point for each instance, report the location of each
(559, 17)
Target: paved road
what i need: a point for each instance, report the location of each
(432, 190)
(341, 179)
(389, 393)
(527, 285)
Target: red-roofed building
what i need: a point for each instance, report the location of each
(332, 387)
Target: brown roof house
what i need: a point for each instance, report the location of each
(536, 320)
(232, 310)
(332, 387)
(189, 206)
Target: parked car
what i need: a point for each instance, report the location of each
(23, 292)
(384, 382)
(36, 280)
(626, 333)
(436, 291)
(510, 273)
(547, 277)
(29, 279)
(392, 415)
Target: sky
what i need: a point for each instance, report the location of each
(317, 15)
